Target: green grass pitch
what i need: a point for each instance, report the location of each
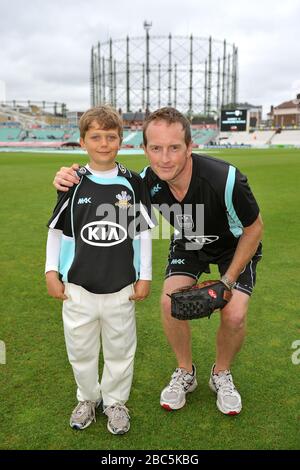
(36, 383)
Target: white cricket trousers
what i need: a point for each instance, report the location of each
(90, 319)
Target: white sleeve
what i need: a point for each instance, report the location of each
(146, 255)
(53, 249)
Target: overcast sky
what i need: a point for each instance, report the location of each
(45, 44)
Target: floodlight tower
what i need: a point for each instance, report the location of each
(147, 27)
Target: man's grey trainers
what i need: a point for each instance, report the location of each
(173, 397)
(84, 414)
(118, 418)
(229, 400)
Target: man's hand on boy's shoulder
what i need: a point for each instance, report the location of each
(141, 290)
(55, 287)
(66, 177)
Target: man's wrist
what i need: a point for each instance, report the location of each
(228, 283)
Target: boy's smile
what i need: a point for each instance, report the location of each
(102, 146)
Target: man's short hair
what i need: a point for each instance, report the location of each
(171, 116)
(106, 116)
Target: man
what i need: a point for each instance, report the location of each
(228, 235)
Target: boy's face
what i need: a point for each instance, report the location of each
(102, 146)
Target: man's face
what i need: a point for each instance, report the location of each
(101, 145)
(166, 149)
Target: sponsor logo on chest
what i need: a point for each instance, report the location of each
(103, 233)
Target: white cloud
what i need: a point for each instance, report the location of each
(45, 46)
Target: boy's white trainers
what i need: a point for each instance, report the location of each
(229, 400)
(173, 397)
(118, 418)
(84, 414)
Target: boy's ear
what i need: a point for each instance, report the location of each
(81, 141)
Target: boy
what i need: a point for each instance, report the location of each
(99, 262)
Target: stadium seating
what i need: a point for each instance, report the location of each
(133, 138)
(255, 138)
(45, 134)
(286, 137)
(8, 134)
(58, 136)
(204, 136)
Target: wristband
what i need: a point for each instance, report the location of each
(229, 284)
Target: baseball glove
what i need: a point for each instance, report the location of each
(200, 300)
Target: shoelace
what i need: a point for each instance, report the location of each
(224, 380)
(177, 380)
(117, 411)
(86, 406)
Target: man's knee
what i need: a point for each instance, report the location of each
(234, 321)
(234, 315)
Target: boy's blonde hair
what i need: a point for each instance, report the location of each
(106, 116)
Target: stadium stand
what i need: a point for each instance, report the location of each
(17, 116)
(10, 134)
(134, 139)
(19, 128)
(56, 137)
(254, 139)
(204, 136)
(286, 137)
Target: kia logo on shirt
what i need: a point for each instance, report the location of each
(103, 233)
